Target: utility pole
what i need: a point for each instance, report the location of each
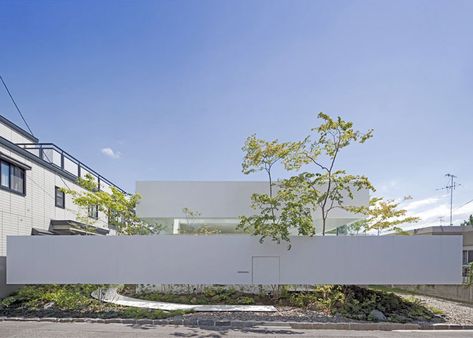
(450, 187)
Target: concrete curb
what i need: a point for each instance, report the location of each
(240, 324)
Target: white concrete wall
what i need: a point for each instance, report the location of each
(19, 214)
(234, 259)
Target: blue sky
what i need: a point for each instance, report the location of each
(174, 87)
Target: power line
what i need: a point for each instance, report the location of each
(464, 204)
(450, 187)
(16, 106)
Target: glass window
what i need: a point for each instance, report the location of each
(470, 256)
(17, 179)
(93, 211)
(465, 257)
(60, 200)
(5, 174)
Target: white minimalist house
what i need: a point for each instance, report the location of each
(31, 200)
(177, 205)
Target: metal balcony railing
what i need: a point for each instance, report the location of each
(56, 156)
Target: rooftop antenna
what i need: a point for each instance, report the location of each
(441, 220)
(450, 187)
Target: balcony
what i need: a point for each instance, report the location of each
(59, 158)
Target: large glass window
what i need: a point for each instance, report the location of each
(60, 199)
(12, 178)
(5, 174)
(17, 179)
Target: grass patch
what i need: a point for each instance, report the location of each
(70, 301)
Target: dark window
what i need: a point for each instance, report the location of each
(60, 199)
(467, 257)
(17, 179)
(12, 178)
(93, 211)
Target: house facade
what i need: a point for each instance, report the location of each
(32, 176)
(193, 206)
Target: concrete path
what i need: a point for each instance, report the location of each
(10, 329)
(111, 295)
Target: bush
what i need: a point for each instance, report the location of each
(70, 301)
(357, 303)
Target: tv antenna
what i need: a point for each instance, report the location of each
(450, 187)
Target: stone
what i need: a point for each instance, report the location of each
(48, 305)
(377, 316)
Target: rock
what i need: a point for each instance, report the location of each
(377, 316)
(48, 305)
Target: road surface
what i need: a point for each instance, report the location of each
(94, 330)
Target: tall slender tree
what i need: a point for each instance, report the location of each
(281, 209)
(331, 187)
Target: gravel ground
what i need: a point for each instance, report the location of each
(287, 314)
(454, 312)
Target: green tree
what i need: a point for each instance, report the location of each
(467, 222)
(383, 215)
(119, 207)
(291, 202)
(282, 208)
(192, 227)
(356, 227)
(329, 188)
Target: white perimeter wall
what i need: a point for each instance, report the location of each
(234, 259)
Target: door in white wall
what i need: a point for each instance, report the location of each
(265, 269)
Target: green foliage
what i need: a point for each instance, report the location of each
(289, 203)
(210, 295)
(357, 303)
(119, 207)
(383, 215)
(467, 222)
(322, 148)
(69, 301)
(344, 300)
(469, 275)
(192, 227)
(282, 207)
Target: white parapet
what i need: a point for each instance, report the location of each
(233, 259)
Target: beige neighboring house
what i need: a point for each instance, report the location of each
(31, 200)
(465, 231)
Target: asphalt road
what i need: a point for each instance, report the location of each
(51, 330)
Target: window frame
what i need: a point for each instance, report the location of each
(89, 214)
(11, 169)
(56, 190)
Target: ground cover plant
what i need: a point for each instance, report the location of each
(70, 301)
(351, 302)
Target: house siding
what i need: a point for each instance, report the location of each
(19, 214)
